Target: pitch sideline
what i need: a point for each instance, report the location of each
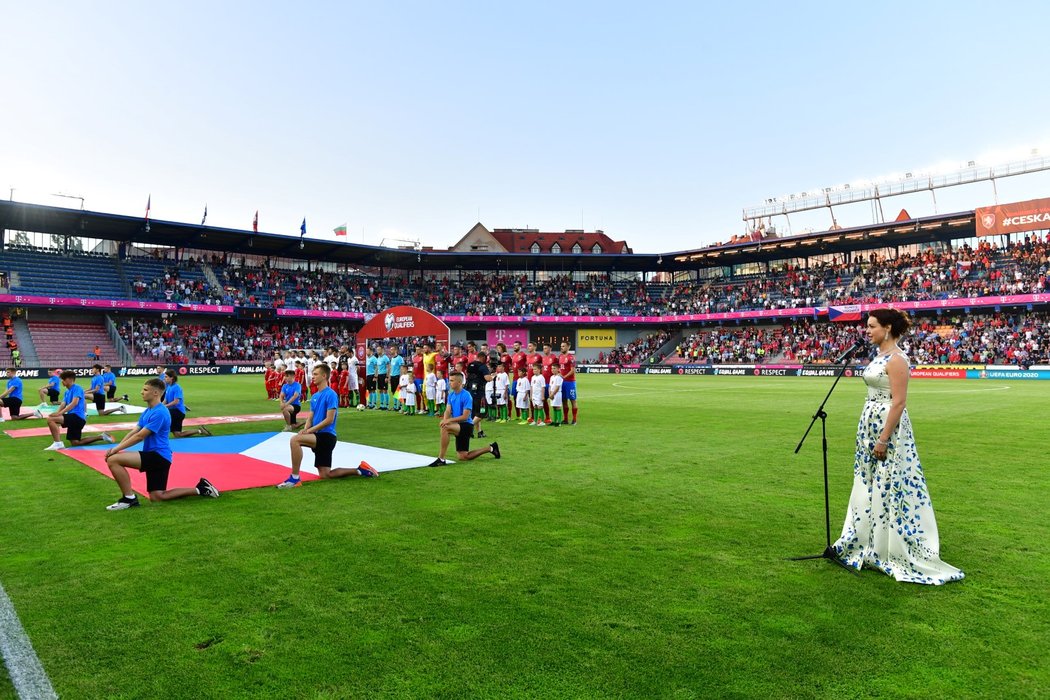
(23, 666)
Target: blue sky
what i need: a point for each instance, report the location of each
(656, 122)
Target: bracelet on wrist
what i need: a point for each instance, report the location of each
(884, 443)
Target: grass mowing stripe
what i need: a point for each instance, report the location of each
(26, 673)
(638, 554)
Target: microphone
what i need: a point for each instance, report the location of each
(846, 355)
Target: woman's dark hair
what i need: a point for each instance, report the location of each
(898, 321)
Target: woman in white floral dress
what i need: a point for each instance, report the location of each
(890, 524)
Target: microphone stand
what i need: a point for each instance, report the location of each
(828, 553)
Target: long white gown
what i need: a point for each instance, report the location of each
(890, 524)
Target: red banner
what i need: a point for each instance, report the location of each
(1033, 215)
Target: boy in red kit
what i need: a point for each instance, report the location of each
(300, 376)
(567, 366)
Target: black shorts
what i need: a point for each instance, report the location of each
(100, 401)
(466, 431)
(382, 385)
(295, 413)
(156, 468)
(323, 450)
(15, 405)
(370, 383)
(111, 393)
(177, 417)
(52, 395)
(478, 406)
(74, 426)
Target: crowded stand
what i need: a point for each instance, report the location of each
(978, 338)
(638, 351)
(183, 343)
(940, 272)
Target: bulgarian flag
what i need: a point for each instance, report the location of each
(340, 230)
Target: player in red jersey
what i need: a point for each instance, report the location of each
(457, 356)
(504, 356)
(441, 360)
(273, 380)
(417, 378)
(549, 362)
(567, 365)
(300, 376)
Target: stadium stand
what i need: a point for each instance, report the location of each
(940, 271)
(224, 342)
(88, 275)
(65, 344)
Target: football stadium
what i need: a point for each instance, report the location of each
(537, 462)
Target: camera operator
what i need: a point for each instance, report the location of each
(479, 372)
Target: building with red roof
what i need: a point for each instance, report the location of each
(528, 240)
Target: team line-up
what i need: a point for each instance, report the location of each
(478, 385)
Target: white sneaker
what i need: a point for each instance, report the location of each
(124, 504)
(2, 419)
(106, 437)
(37, 413)
(54, 446)
(123, 409)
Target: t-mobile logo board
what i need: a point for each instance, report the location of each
(507, 336)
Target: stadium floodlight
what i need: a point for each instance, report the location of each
(67, 196)
(897, 184)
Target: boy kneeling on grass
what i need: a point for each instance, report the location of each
(155, 457)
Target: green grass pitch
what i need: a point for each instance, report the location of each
(640, 554)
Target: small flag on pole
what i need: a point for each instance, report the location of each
(149, 198)
(255, 222)
(340, 230)
(205, 217)
(302, 229)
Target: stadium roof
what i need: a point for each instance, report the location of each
(133, 229)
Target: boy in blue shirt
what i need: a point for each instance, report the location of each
(109, 382)
(457, 421)
(320, 436)
(12, 397)
(98, 393)
(155, 457)
(49, 392)
(72, 415)
(173, 401)
(291, 401)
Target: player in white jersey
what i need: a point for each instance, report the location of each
(403, 382)
(440, 391)
(502, 381)
(554, 397)
(539, 388)
(351, 365)
(521, 394)
(490, 400)
(430, 392)
(409, 391)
